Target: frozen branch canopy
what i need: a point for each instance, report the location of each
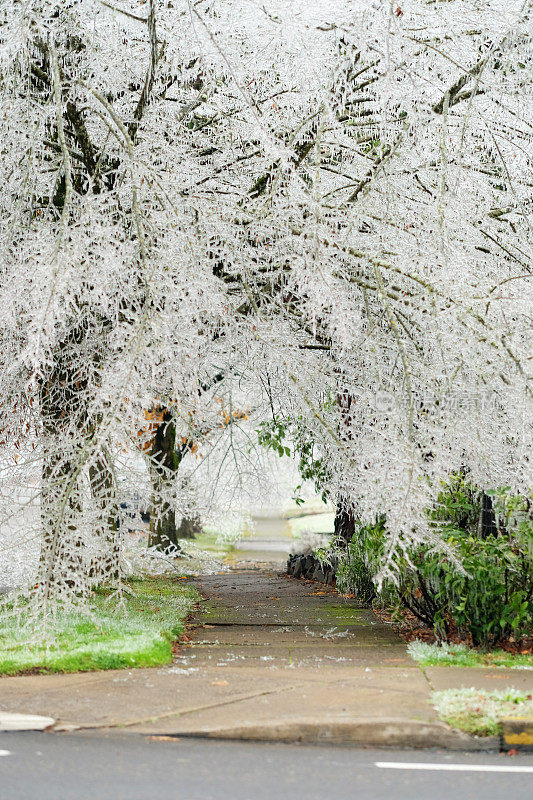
(338, 195)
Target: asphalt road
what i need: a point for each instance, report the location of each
(40, 766)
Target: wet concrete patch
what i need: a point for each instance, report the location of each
(266, 618)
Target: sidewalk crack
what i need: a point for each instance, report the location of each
(177, 713)
(423, 671)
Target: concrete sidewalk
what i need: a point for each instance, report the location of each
(271, 658)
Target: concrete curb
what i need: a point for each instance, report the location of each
(24, 722)
(389, 732)
(517, 734)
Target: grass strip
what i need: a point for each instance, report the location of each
(459, 655)
(104, 636)
(479, 712)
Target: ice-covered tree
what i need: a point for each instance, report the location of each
(336, 197)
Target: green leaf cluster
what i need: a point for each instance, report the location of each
(290, 437)
(484, 589)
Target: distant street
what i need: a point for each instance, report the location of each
(83, 766)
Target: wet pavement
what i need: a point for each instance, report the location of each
(267, 657)
(262, 616)
(270, 543)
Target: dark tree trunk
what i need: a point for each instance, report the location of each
(163, 529)
(488, 517)
(189, 527)
(164, 463)
(344, 525)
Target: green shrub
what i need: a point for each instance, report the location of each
(490, 598)
(490, 601)
(360, 562)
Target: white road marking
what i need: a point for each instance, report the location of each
(5, 753)
(452, 767)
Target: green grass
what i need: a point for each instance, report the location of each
(138, 635)
(315, 523)
(458, 655)
(210, 541)
(479, 712)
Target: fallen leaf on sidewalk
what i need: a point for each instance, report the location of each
(219, 683)
(163, 738)
(209, 626)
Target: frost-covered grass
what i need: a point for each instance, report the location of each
(479, 712)
(459, 655)
(106, 636)
(205, 554)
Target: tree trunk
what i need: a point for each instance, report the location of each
(68, 431)
(488, 517)
(344, 525)
(163, 529)
(164, 464)
(61, 558)
(189, 527)
(62, 407)
(106, 566)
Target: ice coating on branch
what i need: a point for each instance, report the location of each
(216, 212)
